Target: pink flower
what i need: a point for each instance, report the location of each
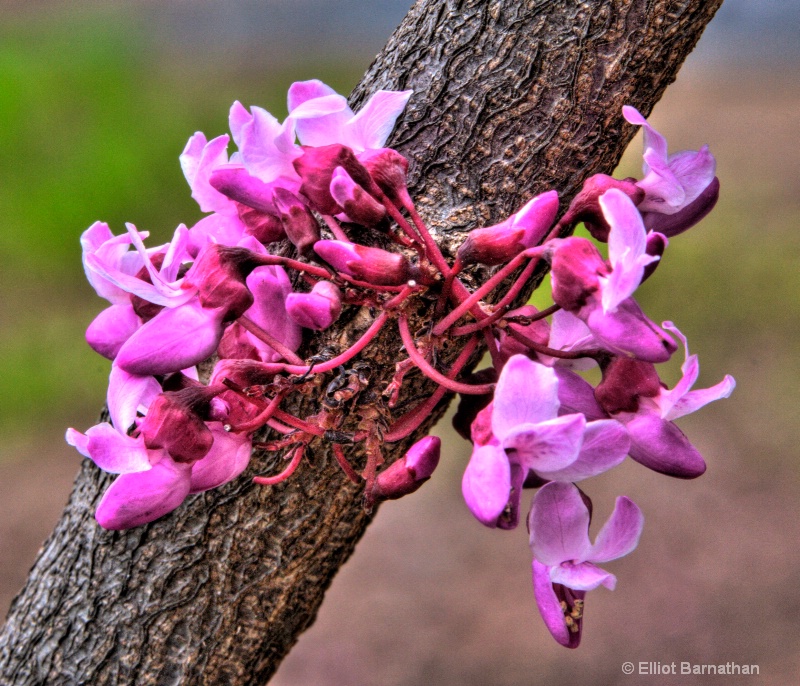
(671, 182)
(521, 432)
(564, 559)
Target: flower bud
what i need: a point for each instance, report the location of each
(238, 185)
(359, 205)
(315, 167)
(409, 472)
(576, 268)
(497, 244)
(318, 309)
(264, 227)
(300, 225)
(388, 168)
(585, 206)
(625, 380)
(172, 423)
(372, 265)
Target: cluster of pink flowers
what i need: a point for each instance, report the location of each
(316, 181)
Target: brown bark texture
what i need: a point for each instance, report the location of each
(511, 98)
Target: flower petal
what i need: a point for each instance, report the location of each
(550, 607)
(117, 453)
(582, 577)
(526, 393)
(547, 446)
(228, 457)
(136, 499)
(662, 446)
(487, 483)
(605, 445)
(126, 394)
(620, 534)
(174, 339)
(559, 524)
(370, 128)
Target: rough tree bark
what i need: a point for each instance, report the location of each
(512, 97)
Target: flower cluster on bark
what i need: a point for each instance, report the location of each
(323, 182)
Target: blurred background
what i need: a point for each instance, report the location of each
(97, 100)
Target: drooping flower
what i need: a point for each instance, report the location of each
(564, 559)
(632, 393)
(521, 432)
(671, 182)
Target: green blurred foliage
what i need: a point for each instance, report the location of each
(92, 120)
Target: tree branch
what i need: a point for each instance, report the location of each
(511, 98)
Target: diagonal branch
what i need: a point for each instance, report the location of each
(511, 98)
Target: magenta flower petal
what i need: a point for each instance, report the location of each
(662, 447)
(174, 339)
(271, 287)
(112, 451)
(526, 393)
(605, 445)
(111, 328)
(318, 309)
(559, 524)
(137, 499)
(550, 607)
(628, 331)
(582, 577)
(228, 457)
(620, 534)
(198, 160)
(546, 446)
(576, 395)
(370, 128)
(126, 394)
(627, 244)
(112, 253)
(487, 483)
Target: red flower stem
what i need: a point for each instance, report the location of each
(298, 423)
(395, 302)
(338, 453)
(413, 418)
(426, 368)
(553, 352)
(289, 263)
(273, 423)
(336, 230)
(286, 473)
(494, 353)
(269, 339)
(261, 418)
(346, 356)
(447, 288)
(371, 286)
(483, 291)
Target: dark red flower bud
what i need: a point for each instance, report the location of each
(219, 274)
(300, 225)
(388, 168)
(359, 205)
(372, 265)
(585, 206)
(410, 471)
(173, 423)
(316, 166)
(576, 266)
(625, 380)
